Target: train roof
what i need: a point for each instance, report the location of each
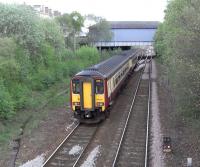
(109, 66)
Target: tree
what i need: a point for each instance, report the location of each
(77, 23)
(177, 41)
(100, 31)
(30, 48)
(53, 34)
(65, 23)
(21, 23)
(71, 25)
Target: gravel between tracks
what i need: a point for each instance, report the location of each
(75, 150)
(38, 161)
(90, 161)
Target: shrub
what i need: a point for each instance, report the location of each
(7, 48)
(6, 103)
(74, 66)
(89, 55)
(20, 94)
(9, 71)
(42, 80)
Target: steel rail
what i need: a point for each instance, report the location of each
(61, 144)
(148, 116)
(77, 160)
(127, 120)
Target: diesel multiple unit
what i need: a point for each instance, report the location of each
(93, 89)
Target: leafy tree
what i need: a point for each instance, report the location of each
(77, 21)
(53, 34)
(177, 41)
(66, 23)
(22, 23)
(33, 57)
(100, 31)
(71, 25)
(159, 40)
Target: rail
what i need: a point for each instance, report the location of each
(148, 116)
(61, 144)
(127, 120)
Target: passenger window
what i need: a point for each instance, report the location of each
(76, 86)
(99, 88)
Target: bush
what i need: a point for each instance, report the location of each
(74, 66)
(7, 48)
(42, 80)
(20, 94)
(67, 54)
(26, 66)
(9, 71)
(61, 70)
(89, 55)
(53, 34)
(6, 103)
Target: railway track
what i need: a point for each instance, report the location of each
(72, 148)
(133, 146)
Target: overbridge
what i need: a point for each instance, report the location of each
(130, 33)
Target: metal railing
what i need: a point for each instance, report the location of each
(122, 43)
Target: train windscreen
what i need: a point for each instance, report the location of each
(76, 86)
(99, 87)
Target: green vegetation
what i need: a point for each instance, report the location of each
(71, 25)
(99, 31)
(34, 58)
(177, 44)
(37, 59)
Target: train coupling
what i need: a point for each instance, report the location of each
(88, 114)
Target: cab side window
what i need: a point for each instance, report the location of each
(99, 87)
(76, 86)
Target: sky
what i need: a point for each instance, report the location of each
(111, 10)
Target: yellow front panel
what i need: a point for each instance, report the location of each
(75, 98)
(87, 95)
(100, 98)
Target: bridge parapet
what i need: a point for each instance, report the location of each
(122, 43)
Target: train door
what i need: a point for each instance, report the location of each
(87, 95)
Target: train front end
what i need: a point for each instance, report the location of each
(88, 98)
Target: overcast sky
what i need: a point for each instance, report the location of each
(112, 10)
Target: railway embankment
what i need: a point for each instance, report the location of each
(184, 133)
(185, 136)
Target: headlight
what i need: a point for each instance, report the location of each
(100, 104)
(76, 103)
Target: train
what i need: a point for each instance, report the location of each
(93, 90)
